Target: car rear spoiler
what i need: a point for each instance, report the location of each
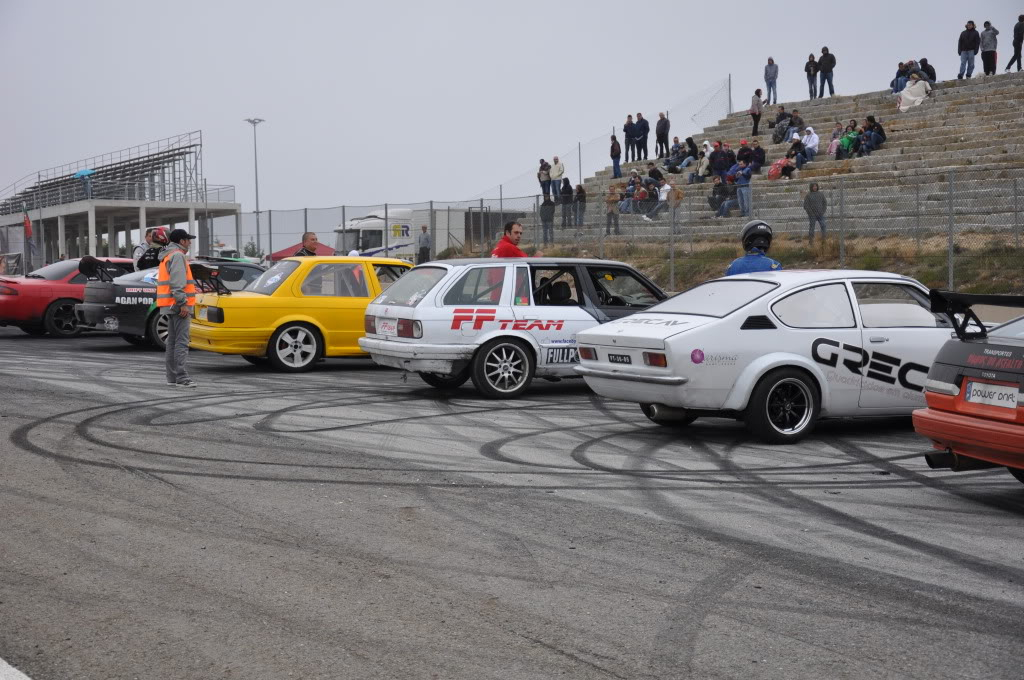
(95, 268)
(208, 280)
(951, 304)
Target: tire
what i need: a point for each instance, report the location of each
(1018, 473)
(156, 330)
(677, 422)
(256, 361)
(133, 339)
(502, 369)
(35, 331)
(60, 320)
(445, 382)
(784, 407)
(295, 348)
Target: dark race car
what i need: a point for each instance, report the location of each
(975, 417)
(127, 304)
(43, 301)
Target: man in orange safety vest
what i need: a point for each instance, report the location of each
(176, 297)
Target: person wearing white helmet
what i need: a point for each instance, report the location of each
(757, 239)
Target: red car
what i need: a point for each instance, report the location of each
(974, 391)
(44, 301)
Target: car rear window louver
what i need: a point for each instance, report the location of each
(757, 323)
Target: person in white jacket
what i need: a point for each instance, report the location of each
(810, 141)
(557, 172)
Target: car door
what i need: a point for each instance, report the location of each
(820, 324)
(477, 301)
(901, 337)
(336, 295)
(616, 291)
(556, 314)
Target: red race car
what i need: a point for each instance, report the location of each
(975, 417)
(44, 301)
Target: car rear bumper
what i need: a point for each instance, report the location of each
(15, 311)
(97, 315)
(221, 340)
(419, 357)
(612, 374)
(997, 442)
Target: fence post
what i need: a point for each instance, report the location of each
(387, 229)
(501, 205)
(433, 232)
(949, 234)
(481, 226)
(344, 232)
(1016, 215)
(672, 251)
(270, 234)
(305, 219)
(536, 220)
(917, 216)
(842, 222)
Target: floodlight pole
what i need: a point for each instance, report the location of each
(256, 168)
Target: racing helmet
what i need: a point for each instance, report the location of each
(756, 234)
(159, 235)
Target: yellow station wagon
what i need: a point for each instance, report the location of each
(299, 310)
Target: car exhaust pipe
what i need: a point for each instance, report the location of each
(662, 412)
(947, 460)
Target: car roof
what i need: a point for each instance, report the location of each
(461, 262)
(346, 258)
(796, 277)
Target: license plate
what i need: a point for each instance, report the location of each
(201, 313)
(387, 326)
(619, 359)
(992, 395)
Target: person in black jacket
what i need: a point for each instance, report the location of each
(566, 199)
(1018, 40)
(643, 130)
(967, 48)
(928, 70)
(826, 65)
(811, 69)
(616, 154)
(629, 132)
(661, 129)
(547, 220)
(719, 161)
(757, 157)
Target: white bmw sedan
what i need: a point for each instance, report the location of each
(778, 350)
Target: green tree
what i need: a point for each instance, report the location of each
(251, 250)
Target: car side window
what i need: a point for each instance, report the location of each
(335, 279)
(556, 287)
(894, 305)
(78, 278)
(478, 286)
(826, 306)
(618, 287)
(388, 274)
(521, 296)
(236, 278)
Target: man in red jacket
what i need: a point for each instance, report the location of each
(508, 246)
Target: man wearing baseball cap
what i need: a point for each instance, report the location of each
(176, 296)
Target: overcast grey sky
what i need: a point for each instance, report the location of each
(401, 101)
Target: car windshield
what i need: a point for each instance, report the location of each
(55, 271)
(411, 288)
(271, 280)
(717, 299)
(1010, 329)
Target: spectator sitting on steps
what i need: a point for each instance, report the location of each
(745, 153)
(719, 192)
(796, 148)
(796, 124)
(757, 157)
(664, 190)
(810, 141)
(702, 171)
(781, 124)
(913, 94)
(928, 70)
(872, 138)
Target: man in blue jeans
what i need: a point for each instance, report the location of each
(743, 188)
(826, 64)
(967, 48)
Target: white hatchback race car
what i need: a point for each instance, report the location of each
(499, 321)
(778, 350)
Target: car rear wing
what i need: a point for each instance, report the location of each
(959, 304)
(208, 281)
(95, 268)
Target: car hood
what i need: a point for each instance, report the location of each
(647, 330)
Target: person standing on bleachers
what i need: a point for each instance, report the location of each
(661, 129)
(629, 132)
(811, 69)
(967, 48)
(1018, 41)
(616, 154)
(557, 173)
(643, 130)
(755, 111)
(826, 65)
(988, 48)
(771, 77)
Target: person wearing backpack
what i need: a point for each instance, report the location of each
(147, 255)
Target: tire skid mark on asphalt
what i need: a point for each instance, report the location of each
(571, 655)
(786, 498)
(1015, 506)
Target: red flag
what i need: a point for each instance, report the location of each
(28, 227)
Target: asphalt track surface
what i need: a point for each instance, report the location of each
(348, 524)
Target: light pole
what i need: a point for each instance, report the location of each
(256, 168)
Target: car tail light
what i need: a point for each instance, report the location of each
(407, 328)
(656, 359)
(370, 324)
(588, 353)
(7, 290)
